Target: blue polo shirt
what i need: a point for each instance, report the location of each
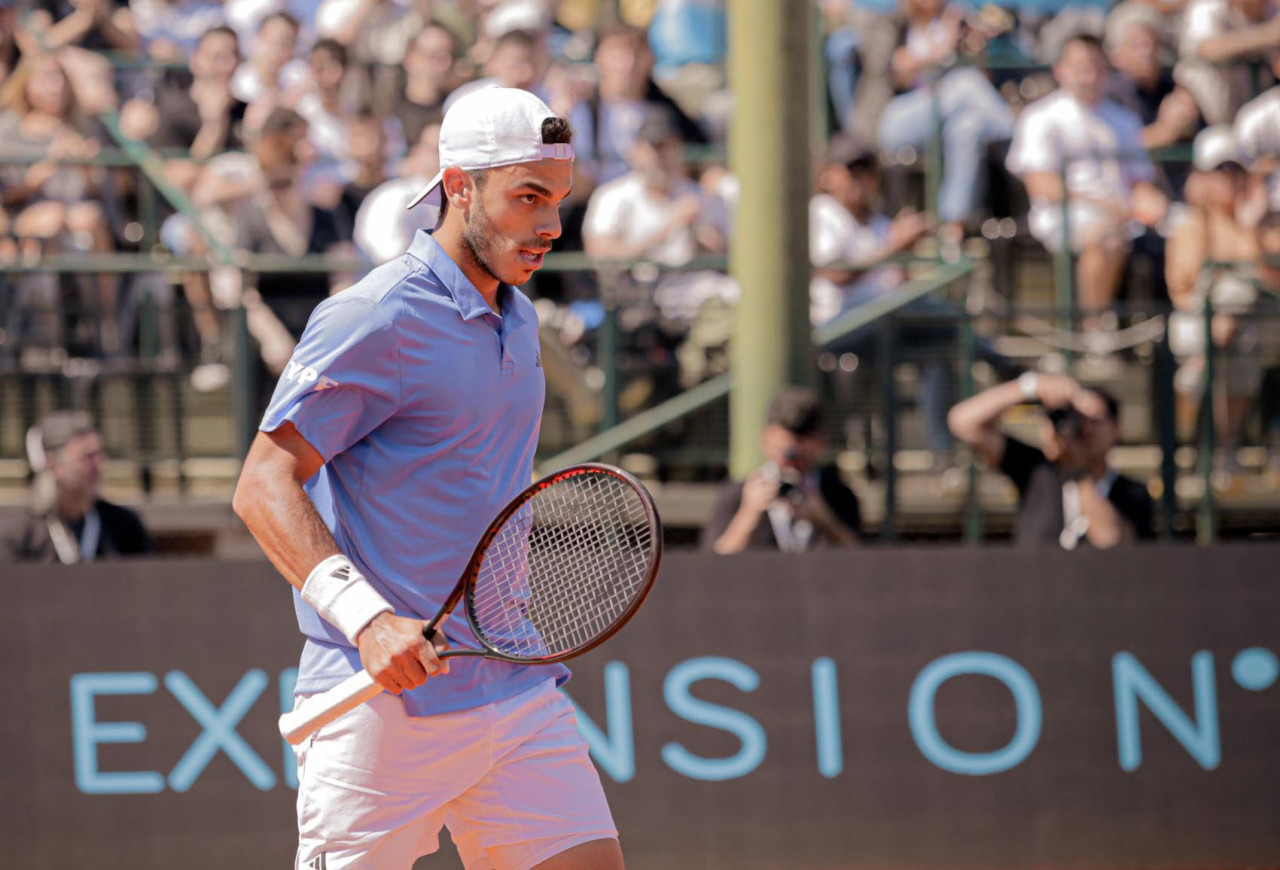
(425, 406)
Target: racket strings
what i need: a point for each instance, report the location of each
(564, 567)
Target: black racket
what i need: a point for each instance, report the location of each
(560, 570)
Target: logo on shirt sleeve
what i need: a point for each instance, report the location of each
(297, 373)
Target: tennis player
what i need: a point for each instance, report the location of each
(406, 420)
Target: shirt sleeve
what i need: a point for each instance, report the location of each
(1019, 461)
(824, 234)
(1034, 148)
(344, 377)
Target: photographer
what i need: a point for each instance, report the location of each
(791, 502)
(1068, 494)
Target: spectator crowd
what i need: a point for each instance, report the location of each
(289, 128)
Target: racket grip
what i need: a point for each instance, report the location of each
(319, 710)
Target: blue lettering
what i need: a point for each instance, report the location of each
(924, 728)
(219, 730)
(676, 691)
(614, 752)
(1199, 738)
(826, 717)
(87, 733)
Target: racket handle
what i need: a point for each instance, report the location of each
(319, 710)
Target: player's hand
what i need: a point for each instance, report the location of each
(395, 653)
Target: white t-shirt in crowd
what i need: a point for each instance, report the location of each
(248, 88)
(836, 236)
(628, 209)
(1060, 126)
(1257, 126)
(1219, 90)
(384, 227)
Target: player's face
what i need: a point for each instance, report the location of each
(515, 216)
(78, 467)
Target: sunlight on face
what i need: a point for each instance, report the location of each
(516, 217)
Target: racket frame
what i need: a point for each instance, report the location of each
(466, 584)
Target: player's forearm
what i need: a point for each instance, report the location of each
(284, 522)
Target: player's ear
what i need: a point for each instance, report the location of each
(458, 187)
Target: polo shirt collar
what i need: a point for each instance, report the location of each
(465, 295)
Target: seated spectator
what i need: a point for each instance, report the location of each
(54, 206)
(203, 117)
(1143, 83)
(365, 167)
(323, 103)
(626, 95)
(270, 73)
(1068, 495)
(67, 521)
(171, 30)
(793, 502)
(430, 75)
(1109, 179)
(971, 111)
(1218, 37)
(1267, 235)
(1215, 231)
(101, 25)
(657, 213)
(383, 226)
(1257, 129)
(277, 219)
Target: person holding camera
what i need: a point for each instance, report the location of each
(792, 502)
(1068, 495)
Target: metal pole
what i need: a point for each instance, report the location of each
(1206, 519)
(1167, 426)
(968, 354)
(888, 393)
(769, 68)
(1066, 279)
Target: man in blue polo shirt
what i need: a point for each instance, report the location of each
(406, 420)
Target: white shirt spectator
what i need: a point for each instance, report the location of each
(183, 22)
(836, 236)
(627, 209)
(1219, 90)
(384, 227)
(1257, 126)
(248, 88)
(1060, 127)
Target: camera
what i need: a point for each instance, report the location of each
(1067, 422)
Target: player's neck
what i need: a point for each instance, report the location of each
(451, 240)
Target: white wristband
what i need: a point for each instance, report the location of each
(1030, 386)
(343, 596)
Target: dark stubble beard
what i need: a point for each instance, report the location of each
(478, 236)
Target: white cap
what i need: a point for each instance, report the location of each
(494, 127)
(1215, 146)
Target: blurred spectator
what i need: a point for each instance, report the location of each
(848, 240)
(1218, 38)
(203, 118)
(793, 502)
(383, 226)
(55, 207)
(329, 113)
(277, 219)
(847, 234)
(429, 77)
(1109, 179)
(1068, 495)
(270, 70)
(972, 113)
(171, 30)
(657, 213)
(94, 24)
(625, 95)
(688, 31)
(1143, 82)
(67, 521)
(1257, 129)
(366, 165)
(1215, 232)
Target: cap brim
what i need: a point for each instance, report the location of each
(427, 191)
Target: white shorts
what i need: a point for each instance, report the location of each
(512, 781)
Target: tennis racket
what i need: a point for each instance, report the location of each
(561, 569)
